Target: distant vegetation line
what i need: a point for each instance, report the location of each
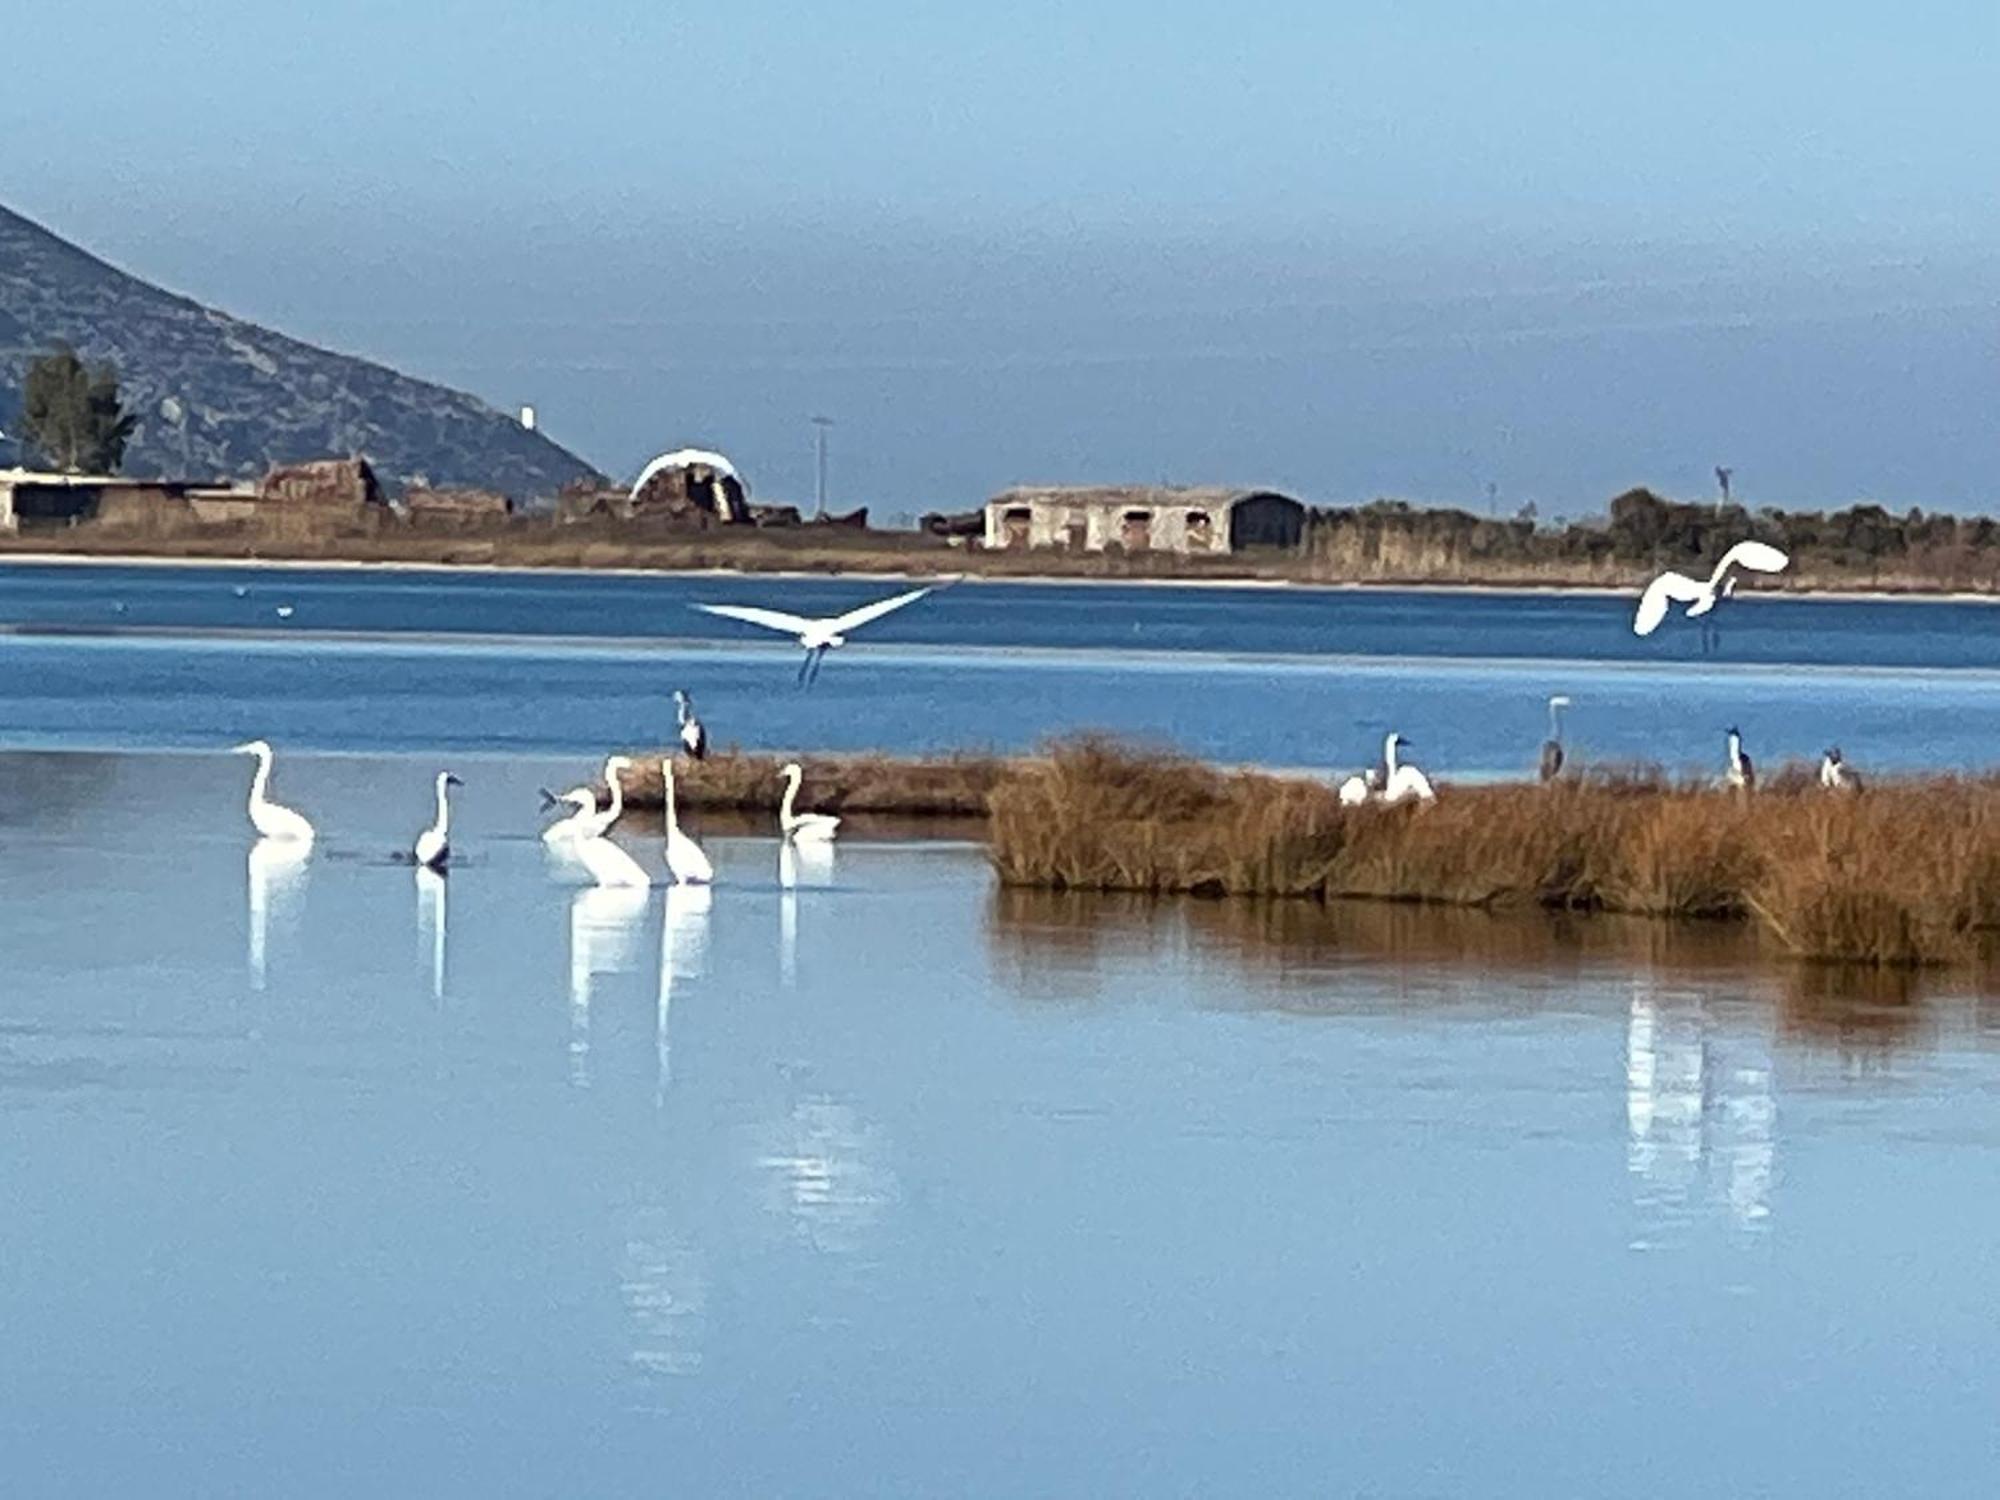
(1385, 542)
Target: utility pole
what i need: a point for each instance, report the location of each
(820, 425)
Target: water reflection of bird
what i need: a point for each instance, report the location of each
(817, 636)
(806, 828)
(433, 847)
(431, 897)
(685, 860)
(271, 820)
(1552, 747)
(603, 939)
(683, 957)
(276, 877)
(1702, 595)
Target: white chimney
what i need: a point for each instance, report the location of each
(528, 418)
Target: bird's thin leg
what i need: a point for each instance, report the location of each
(805, 664)
(817, 657)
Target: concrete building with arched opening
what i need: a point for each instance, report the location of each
(1192, 521)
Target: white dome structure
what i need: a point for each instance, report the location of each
(688, 458)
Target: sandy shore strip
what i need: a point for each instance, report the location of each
(1040, 580)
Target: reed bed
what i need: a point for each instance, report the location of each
(1906, 874)
(952, 786)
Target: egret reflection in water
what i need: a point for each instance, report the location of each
(1700, 1114)
(807, 864)
(683, 958)
(276, 884)
(431, 900)
(604, 930)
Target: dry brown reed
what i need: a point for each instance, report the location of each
(1908, 873)
(953, 786)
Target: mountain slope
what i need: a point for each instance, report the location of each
(217, 396)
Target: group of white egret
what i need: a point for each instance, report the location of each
(582, 835)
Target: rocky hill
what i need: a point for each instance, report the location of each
(217, 396)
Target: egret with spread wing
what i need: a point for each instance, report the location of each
(1701, 595)
(817, 636)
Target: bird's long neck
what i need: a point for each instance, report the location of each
(1555, 722)
(444, 806)
(681, 712)
(261, 781)
(1736, 750)
(617, 785)
(667, 795)
(785, 814)
(1389, 756)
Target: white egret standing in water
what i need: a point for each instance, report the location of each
(588, 821)
(685, 860)
(806, 828)
(609, 865)
(818, 636)
(433, 848)
(271, 820)
(1702, 595)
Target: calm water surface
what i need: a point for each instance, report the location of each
(322, 1181)
(150, 657)
(865, 1178)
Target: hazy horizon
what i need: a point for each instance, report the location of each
(1412, 254)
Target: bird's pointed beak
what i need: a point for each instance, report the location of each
(453, 781)
(243, 749)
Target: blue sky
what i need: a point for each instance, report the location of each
(1557, 247)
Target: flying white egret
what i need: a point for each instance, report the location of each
(1552, 747)
(1402, 782)
(817, 636)
(1836, 775)
(694, 738)
(433, 850)
(1702, 595)
(807, 828)
(270, 819)
(1742, 774)
(685, 861)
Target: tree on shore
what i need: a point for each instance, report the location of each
(73, 416)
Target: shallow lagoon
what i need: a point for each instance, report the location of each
(890, 1182)
(324, 1181)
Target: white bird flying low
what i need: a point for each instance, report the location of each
(1699, 595)
(270, 819)
(817, 636)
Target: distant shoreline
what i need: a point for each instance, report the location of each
(58, 559)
